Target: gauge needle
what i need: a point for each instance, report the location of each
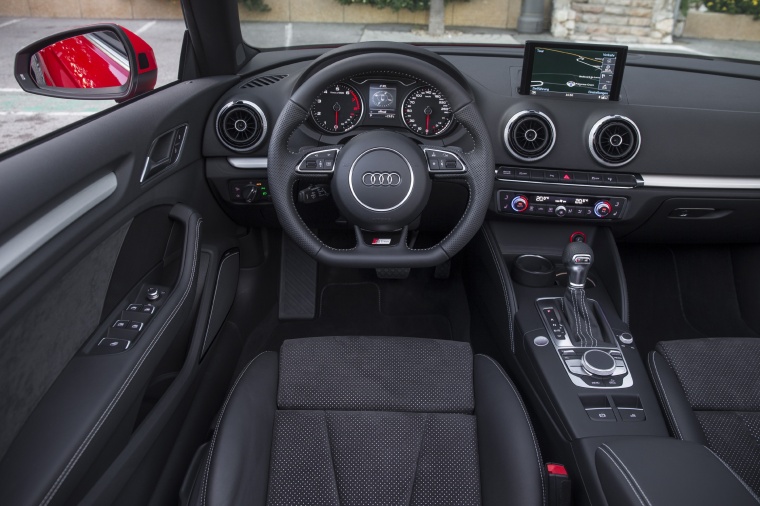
(427, 123)
(336, 108)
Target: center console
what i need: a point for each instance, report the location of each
(569, 347)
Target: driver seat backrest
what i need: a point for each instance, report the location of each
(372, 420)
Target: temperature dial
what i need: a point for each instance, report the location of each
(602, 209)
(520, 203)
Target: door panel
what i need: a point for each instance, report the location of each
(77, 413)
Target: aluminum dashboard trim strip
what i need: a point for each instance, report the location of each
(25, 243)
(248, 163)
(721, 183)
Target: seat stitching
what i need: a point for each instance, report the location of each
(530, 425)
(629, 472)
(503, 288)
(91, 435)
(661, 389)
(752, 492)
(219, 423)
(635, 492)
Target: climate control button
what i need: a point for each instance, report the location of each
(602, 209)
(520, 203)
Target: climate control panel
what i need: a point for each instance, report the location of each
(560, 206)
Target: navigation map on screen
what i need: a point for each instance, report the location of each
(577, 73)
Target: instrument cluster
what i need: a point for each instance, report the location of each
(382, 102)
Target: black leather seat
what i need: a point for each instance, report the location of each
(710, 392)
(372, 420)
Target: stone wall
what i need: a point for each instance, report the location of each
(618, 21)
(485, 13)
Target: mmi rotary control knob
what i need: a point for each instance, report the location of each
(598, 363)
(520, 203)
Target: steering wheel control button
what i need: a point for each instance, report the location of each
(541, 341)
(625, 338)
(601, 414)
(322, 161)
(440, 161)
(110, 345)
(598, 363)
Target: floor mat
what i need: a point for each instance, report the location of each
(356, 302)
(681, 293)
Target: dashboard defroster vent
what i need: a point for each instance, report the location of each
(529, 135)
(258, 82)
(241, 125)
(614, 141)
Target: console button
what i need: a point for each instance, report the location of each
(506, 172)
(580, 177)
(134, 308)
(148, 308)
(537, 175)
(121, 324)
(610, 179)
(601, 414)
(522, 174)
(552, 176)
(595, 178)
(135, 326)
(566, 177)
(632, 414)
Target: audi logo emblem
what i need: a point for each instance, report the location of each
(381, 179)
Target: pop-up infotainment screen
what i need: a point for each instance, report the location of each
(580, 71)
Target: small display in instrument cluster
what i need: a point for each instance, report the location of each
(382, 101)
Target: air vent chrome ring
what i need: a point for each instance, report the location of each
(241, 125)
(529, 135)
(614, 140)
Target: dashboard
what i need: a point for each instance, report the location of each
(656, 147)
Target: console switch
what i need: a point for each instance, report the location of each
(632, 414)
(601, 414)
(110, 345)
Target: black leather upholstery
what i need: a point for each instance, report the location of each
(435, 426)
(710, 391)
(682, 473)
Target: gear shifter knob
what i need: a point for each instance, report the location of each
(578, 258)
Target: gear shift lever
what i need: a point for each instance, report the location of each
(584, 328)
(578, 258)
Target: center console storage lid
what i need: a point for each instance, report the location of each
(655, 471)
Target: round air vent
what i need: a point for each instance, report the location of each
(241, 125)
(614, 141)
(529, 135)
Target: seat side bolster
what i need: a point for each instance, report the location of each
(505, 439)
(683, 423)
(236, 470)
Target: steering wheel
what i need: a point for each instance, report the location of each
(380, 179)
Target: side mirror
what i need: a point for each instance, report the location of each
(94, 62)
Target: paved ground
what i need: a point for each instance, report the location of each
(24, 116)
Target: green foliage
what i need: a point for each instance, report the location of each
(255, 5)
(735, 6)
(396, 5)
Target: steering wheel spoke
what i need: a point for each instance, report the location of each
(319, 160)
(390, 242)
(448, 160)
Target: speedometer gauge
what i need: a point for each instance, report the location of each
(337, 109)
(427, 112)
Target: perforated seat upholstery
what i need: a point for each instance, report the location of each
(371, 421)
(710, 392)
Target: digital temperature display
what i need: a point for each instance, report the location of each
(557, 200)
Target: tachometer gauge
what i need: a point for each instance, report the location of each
(427, 112)
(337, 109)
